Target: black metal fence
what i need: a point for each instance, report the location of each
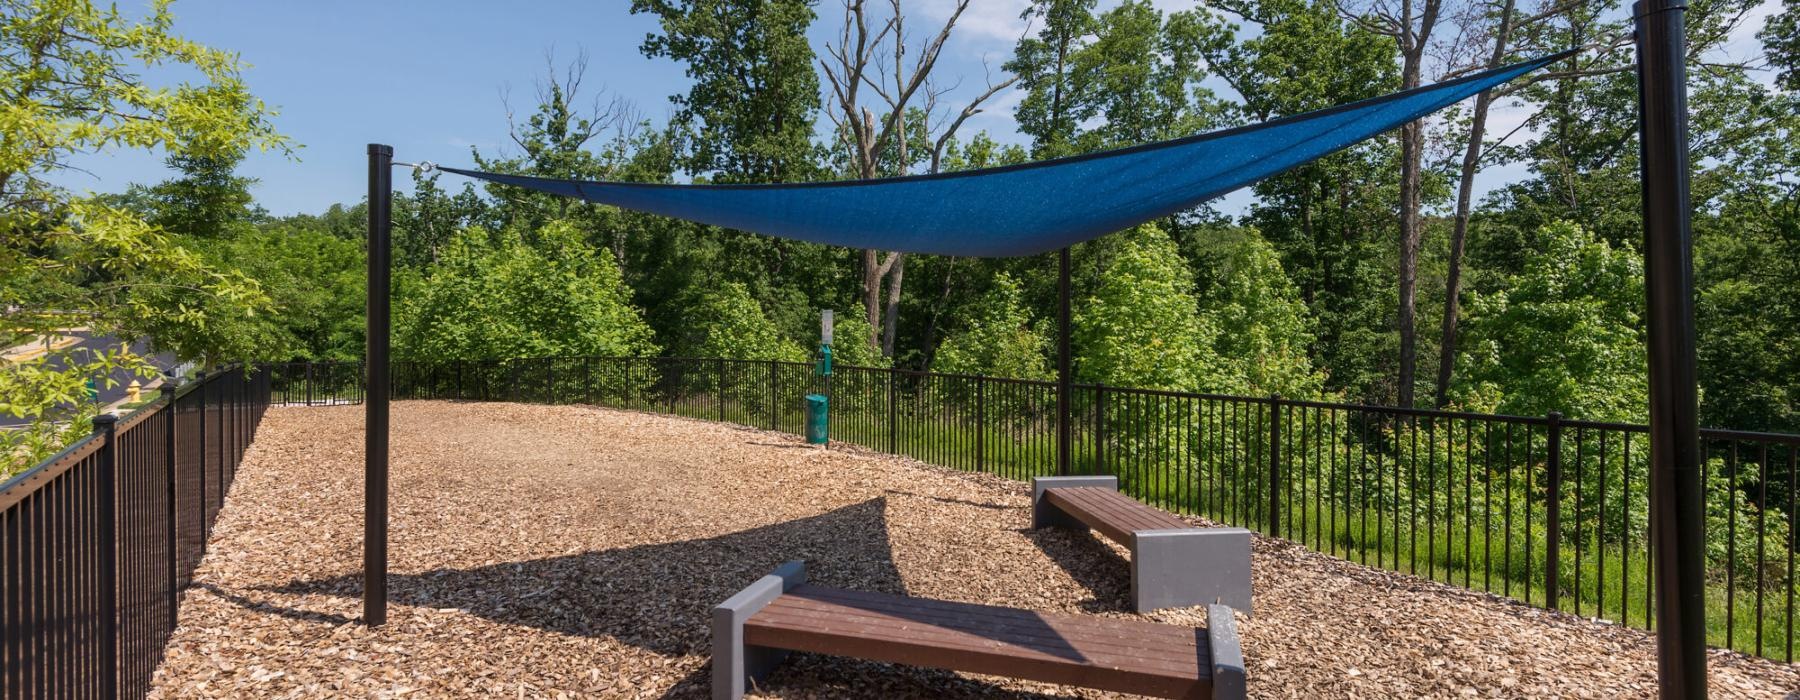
(1550, 511)
(97, 542)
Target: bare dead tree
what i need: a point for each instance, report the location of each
(874, 55)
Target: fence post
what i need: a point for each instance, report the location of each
(169, 472)
(106, 512)
(309, 383)
(774, 396)
(1553, 511)
(893, 413)
(719, 388)
(981, 423)
(1274, 465)
(200, 395)
(1100, 429)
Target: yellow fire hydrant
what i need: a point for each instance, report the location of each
(134, 391)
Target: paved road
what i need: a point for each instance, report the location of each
(99, 343)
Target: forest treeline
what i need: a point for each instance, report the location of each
(1375, 275)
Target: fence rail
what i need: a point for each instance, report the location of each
(1544, 509)
(97, 542)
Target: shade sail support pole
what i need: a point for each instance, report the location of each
(375, 401)
(1676, 514)
(1065, 380)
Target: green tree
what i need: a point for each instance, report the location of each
(1140, 325)
(315, 283)
(849, 346)
(72, 83)
(748, 115)
(1781, 41)
(725, 321)
(998, 339)
(1055, 102)
(1566, 335)
(494, 296)
(1322, 217)
(1264, 328)
(207, 200)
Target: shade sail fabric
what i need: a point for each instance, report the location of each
(1033, 207)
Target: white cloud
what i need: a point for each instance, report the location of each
(987, 24)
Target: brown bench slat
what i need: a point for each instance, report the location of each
(1146, 641)
(1112, 513)
(1128, 513)
(1138, 515)
(1105, 653)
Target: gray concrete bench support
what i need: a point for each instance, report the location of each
(1227, 654)
(1190, 566)
(735, 664)
(1046, 515)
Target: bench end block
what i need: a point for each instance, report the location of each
(1228, 681)
(735, 664)
(1045, 515)
(1190, 566)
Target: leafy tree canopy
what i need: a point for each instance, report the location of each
(999, 338)
(493, 296)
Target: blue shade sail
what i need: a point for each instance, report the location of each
(1033, 207)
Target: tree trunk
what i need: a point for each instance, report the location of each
(895, 277)
(872, 297)
(1465, 194)
(1412, 156)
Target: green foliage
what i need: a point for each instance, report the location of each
(1134, 73)
(315, 284)
(493, 296)
(1140, 325)
(725, 321)
(998, 340)
(1781, 39)
(1264, 328)
(71, 84)
(850, 341)
(1331, 221)
(748, 116)
(1566, 335)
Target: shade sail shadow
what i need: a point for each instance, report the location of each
(657, 597)
(1093, 565)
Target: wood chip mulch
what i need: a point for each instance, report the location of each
(569, 551)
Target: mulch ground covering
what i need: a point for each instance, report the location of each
(544, 551)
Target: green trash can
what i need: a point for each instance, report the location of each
(817, 411)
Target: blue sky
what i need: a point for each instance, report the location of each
(428, 78)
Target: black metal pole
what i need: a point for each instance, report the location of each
(375, 406)
(1064, 379)
(106, 525)
(1676, 514)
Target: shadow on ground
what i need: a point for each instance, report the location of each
(659, 598)
(1093, 565)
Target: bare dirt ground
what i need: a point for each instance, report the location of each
(545, 551)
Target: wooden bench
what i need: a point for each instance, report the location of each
(755, 629)
(1173, 564)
